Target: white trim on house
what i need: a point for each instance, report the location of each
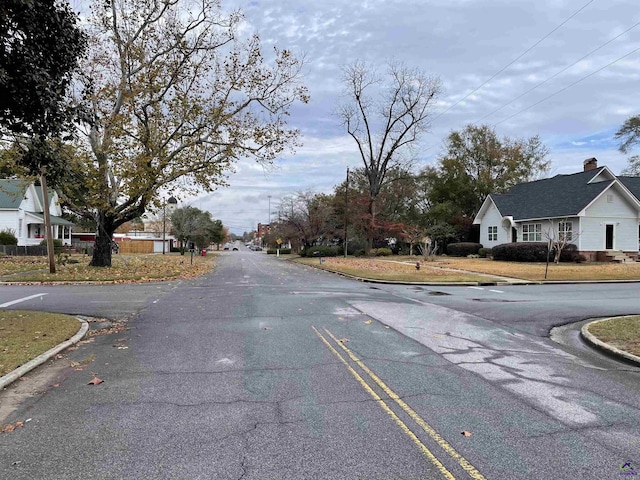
(604, 169)
(630, 196)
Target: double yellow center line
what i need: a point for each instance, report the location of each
(430, 431)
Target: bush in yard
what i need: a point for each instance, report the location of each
(484, 252)
(359, 253)
(57, 244)
(7, 237)
(463, 249)
(570, 254)
(383, 252)
(520, 252)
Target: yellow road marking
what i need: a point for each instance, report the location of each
(388, 410)
(446, 446)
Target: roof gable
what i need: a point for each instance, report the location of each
(559, 196)
(12, 192)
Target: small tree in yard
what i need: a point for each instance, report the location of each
(558, 239)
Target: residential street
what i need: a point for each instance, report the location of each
(266, 369)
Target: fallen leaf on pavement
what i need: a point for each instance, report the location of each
(368, 322)
(95, 381)
(466, 434)
(11, 427)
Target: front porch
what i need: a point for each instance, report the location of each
(36, 232)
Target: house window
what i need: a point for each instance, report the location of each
(609, 198)
(532, 232)
(19, 227)
(493, 234)
(565, 231)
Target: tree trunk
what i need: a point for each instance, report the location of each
(102, 245)
(371, 230)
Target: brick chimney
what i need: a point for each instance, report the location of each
(590, 164)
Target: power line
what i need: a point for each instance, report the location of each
(516, 59)
(568, 86)
(558, 73)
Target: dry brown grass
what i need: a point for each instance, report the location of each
(535, 271)
(125, 268)
(623, 333)
(391, 271)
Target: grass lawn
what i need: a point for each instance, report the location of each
(379, 269)
(535, 271)
(125, 268)
(623, 333)
(24, 335)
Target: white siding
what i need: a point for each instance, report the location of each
(9, 221)
(619, 213)
(492, 218)
(29, 203)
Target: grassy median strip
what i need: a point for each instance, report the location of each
(25, 334)
(125, 268)
(622, 333)
(391, 271)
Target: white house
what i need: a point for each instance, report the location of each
(21, 212)
(596, 210)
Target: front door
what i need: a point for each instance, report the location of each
(608, 242)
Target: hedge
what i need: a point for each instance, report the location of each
(283, 251)
(521, 252)
(484, 252)
(534, 252)
(463, 249)
(322, 251)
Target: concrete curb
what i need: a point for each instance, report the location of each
(607, 348)
(40, 359)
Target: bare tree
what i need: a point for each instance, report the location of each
(413, 234)
(386, 119)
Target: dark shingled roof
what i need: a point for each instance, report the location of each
(633, 184)
(560, 196)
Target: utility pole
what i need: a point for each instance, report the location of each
(47, 224)
(346, 202)
(164, 225)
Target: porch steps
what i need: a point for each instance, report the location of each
(619, 257)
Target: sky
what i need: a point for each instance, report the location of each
(566, 70)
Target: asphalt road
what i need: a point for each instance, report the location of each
(270, 370)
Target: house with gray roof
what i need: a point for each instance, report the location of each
(594, 209)
(22, 212)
